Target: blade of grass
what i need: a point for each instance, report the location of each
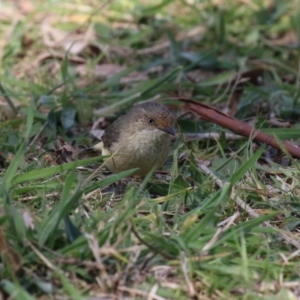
(14, 165)
(246, 166)
(130, 99)
(15, 290)
(48, 172)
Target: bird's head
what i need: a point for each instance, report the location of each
(154, 116)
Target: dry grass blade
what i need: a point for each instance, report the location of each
(288, 239)
(135, 293)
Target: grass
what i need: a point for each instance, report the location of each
(224, 221)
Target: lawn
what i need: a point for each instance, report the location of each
(221, 220)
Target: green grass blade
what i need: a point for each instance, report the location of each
(44, 173)
(246, 166)
(69, 288)
(15, 290)
(131, 98)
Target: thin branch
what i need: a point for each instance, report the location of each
(211, 114)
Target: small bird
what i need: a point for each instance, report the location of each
(140, 139)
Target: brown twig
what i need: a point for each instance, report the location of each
(215, 116)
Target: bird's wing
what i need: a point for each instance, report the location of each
(112, 133)
(109, 137)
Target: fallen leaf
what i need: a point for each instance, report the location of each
(65, 153)
(199, 75)
(97, 133)
(106, 71)
(45, 56)
(195, 32)
(25, 6)
(288, 39)
(28, 220)
(49, 160)
(73, 42)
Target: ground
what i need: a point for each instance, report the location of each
(219, 221)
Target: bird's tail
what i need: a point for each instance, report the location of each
(91, 152)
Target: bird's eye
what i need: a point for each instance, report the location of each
(150, 121)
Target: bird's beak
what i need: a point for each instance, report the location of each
(168, 130)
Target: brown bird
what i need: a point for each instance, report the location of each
(140, 139)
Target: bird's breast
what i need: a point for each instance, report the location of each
(144, 150)
(147, 141)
